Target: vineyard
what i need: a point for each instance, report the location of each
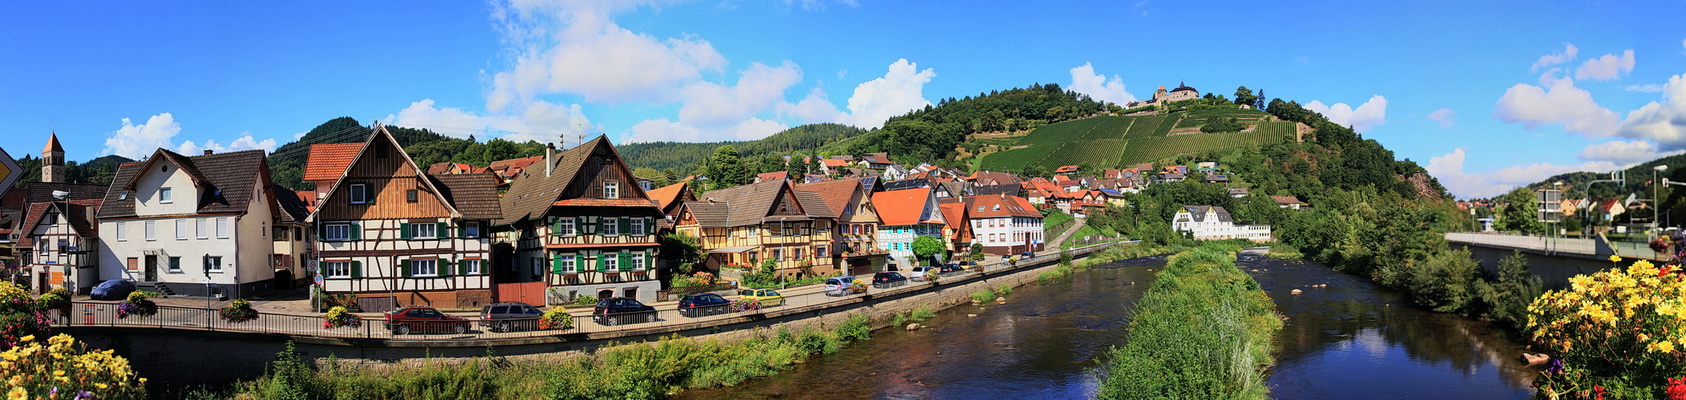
(1109, 141)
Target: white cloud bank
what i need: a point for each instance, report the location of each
(1569, 52)
(1084, 80)
(1625, 152)
(1449, 169)
(1369, 115)
(1661, 122)
(900, 90)
(1559, 101)
(136, 141)
(1608, 67)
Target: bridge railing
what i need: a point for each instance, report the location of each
(105, 314)
(1581, 246)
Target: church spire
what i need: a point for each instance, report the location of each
(52, 160)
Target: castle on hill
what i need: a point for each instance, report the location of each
(1161, 97)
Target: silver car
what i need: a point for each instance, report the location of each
(839, 285)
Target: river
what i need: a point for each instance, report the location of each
(1352, 339)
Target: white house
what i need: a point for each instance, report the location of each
(1005, 224)
(195, 226)
(1214, 223)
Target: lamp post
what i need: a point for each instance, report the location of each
(1656, 189)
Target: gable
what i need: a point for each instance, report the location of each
(388, 176)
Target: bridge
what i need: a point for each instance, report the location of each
(1553, 259)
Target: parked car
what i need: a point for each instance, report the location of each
(839, 285)
(697, 305)
(887, 279)
(409, 319)
(507, 317)
(947, 268)
(767, 297)
(968, 264)
(1027, 254)
(115, 289)
(618, 310)
(919, 272)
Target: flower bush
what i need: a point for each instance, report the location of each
(138, 303)
(745, 305)
(64, 369)
(1621, 331)
(19, 315)
(556, 318)
(339, 317)
(240, 310)
(858, 287)
(56, 299)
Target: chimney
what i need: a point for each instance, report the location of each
(207, 152)
(549, 159)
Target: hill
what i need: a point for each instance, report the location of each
(935, 134)
(99, 170)
(286, 163)
(686, 157)
(1115, 141)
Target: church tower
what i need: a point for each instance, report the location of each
(52, 161)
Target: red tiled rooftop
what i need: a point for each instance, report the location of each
(328, 161)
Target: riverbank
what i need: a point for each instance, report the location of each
(1203, 330)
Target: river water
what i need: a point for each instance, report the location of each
(1352, 339)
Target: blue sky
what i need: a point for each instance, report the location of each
(1486, 95)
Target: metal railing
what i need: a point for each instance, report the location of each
(374, 326)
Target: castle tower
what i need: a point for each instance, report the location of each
(52, 161)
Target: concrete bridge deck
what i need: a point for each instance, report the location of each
(1561, 247)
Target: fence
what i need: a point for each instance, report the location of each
(805, 298)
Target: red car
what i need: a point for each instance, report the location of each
(423, 319)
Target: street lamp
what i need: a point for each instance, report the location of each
(1655, 198)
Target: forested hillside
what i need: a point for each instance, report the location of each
(425, 147)
(933, 134)
(684, 158)
(99, 170)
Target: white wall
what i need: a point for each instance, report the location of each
(253, 233)
(184, 197)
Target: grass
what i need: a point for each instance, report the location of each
(633, 371)
(1281, 250)
(1202, 331)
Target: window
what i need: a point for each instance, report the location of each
(798, 253)
(778, 254)
(426, 230)
(336, 269)
(565, 264)
(359, 193)
(410, 195)
(471, 267)
(181, 229)
(471, 229)
(424, 267)
(151, 231)
(610, 262)
(164, 195)
(122, 231)
(565, 227)
(611, 190)
(200, 225)
(175, 264)
(338, 232)
(820, 251)
(222, 228)
(610, 228)
(637, 227)
(538, 266)
(638, 261)
(213, 264)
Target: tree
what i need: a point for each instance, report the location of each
(682, 251)
(726, 168)
(1243, 95)
(928, 247)
(1521, 213)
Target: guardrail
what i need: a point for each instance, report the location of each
(373, 326)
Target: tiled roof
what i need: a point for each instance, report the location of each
(328, 161)
(53, 144)
(708, 215)
(901, 207)
(508, 168)
(1000, 206)
(475, 196)
(1199, 213)
(532, 194)
(813, 206)
(75, 214)
(1285, 199)
(832, 163)
(292, 205)
(954, 214)
(834, 194)
(775, 175)
(751, 204)
(226, 181)
(669, 195)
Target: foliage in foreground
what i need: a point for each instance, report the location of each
(632, 371)
(1618, 332)
(63, 368)
(1202, 331)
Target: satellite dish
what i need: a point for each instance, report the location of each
(60, 194)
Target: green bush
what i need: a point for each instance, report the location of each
(856, 328)
(983, 295)
(1508, 297)
(585, 300)
(921, 314)
(1445, 282)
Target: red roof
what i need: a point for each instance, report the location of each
(832, 162)
(772, 176)
(901, 207)
(835, 194)
(667, 195)
(328, 161)
(1001, 206)
(1066, 169)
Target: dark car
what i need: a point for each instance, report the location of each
(947, 268)
(618, 310)
(405, 320)
(887, 279)
(968, 264)
(697, 305)
(506, 317)
(115, 289)
(1027, 254)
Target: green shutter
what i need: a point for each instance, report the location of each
(404, 231)
(462, 267)
(625, 260)
(649, 259)
(556, 264)
(322, 268)
(404, 267)
(356, 231)
(626, 224)
(602, 262)
(649, 225)
(321, 232)
(443, 267)
(442, 230)
(356, 269)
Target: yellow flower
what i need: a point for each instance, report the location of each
(17, 393)
(1664, 347)
(1615, 258)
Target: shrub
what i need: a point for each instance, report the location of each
(556, 318)
(857, 327)
(238, 311)
(57, 299)
(1509, 295)
(19, 316)
(63, 368)
(585, 300)
(138, 303)
(921, 314)
(983, 295)
(338, 317)
(1622, 329)
(1444, 282)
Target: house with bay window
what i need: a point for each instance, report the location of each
(580, 225)
(391, 235)
(191, 226)
(854, 242)
(749, 224)
(908, 214)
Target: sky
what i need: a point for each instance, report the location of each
(1486, 95)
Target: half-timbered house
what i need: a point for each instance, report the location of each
(746, 225)
(61, 243)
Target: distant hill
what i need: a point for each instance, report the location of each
(98, 171)
(936, 133)
(685, 157)
(1117, 141)
(286, 163)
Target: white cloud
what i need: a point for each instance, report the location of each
(1608, 67)
(136, 141)
(1371, 114)
(575, 47)
(1645, 88)
(1569, 52)
(299, 135)
(1663, 123)
(820, 4)
(814, 108)
(661, 129)
(1625, 152)
(537, 121)
(758, 89)
(1449, 169)
(1559, 102)
(1445, 116)
(900, 90)
(1084, 80)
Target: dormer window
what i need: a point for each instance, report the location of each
(124, 195)
(164, 196)
(359, 193)
(611, 190)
